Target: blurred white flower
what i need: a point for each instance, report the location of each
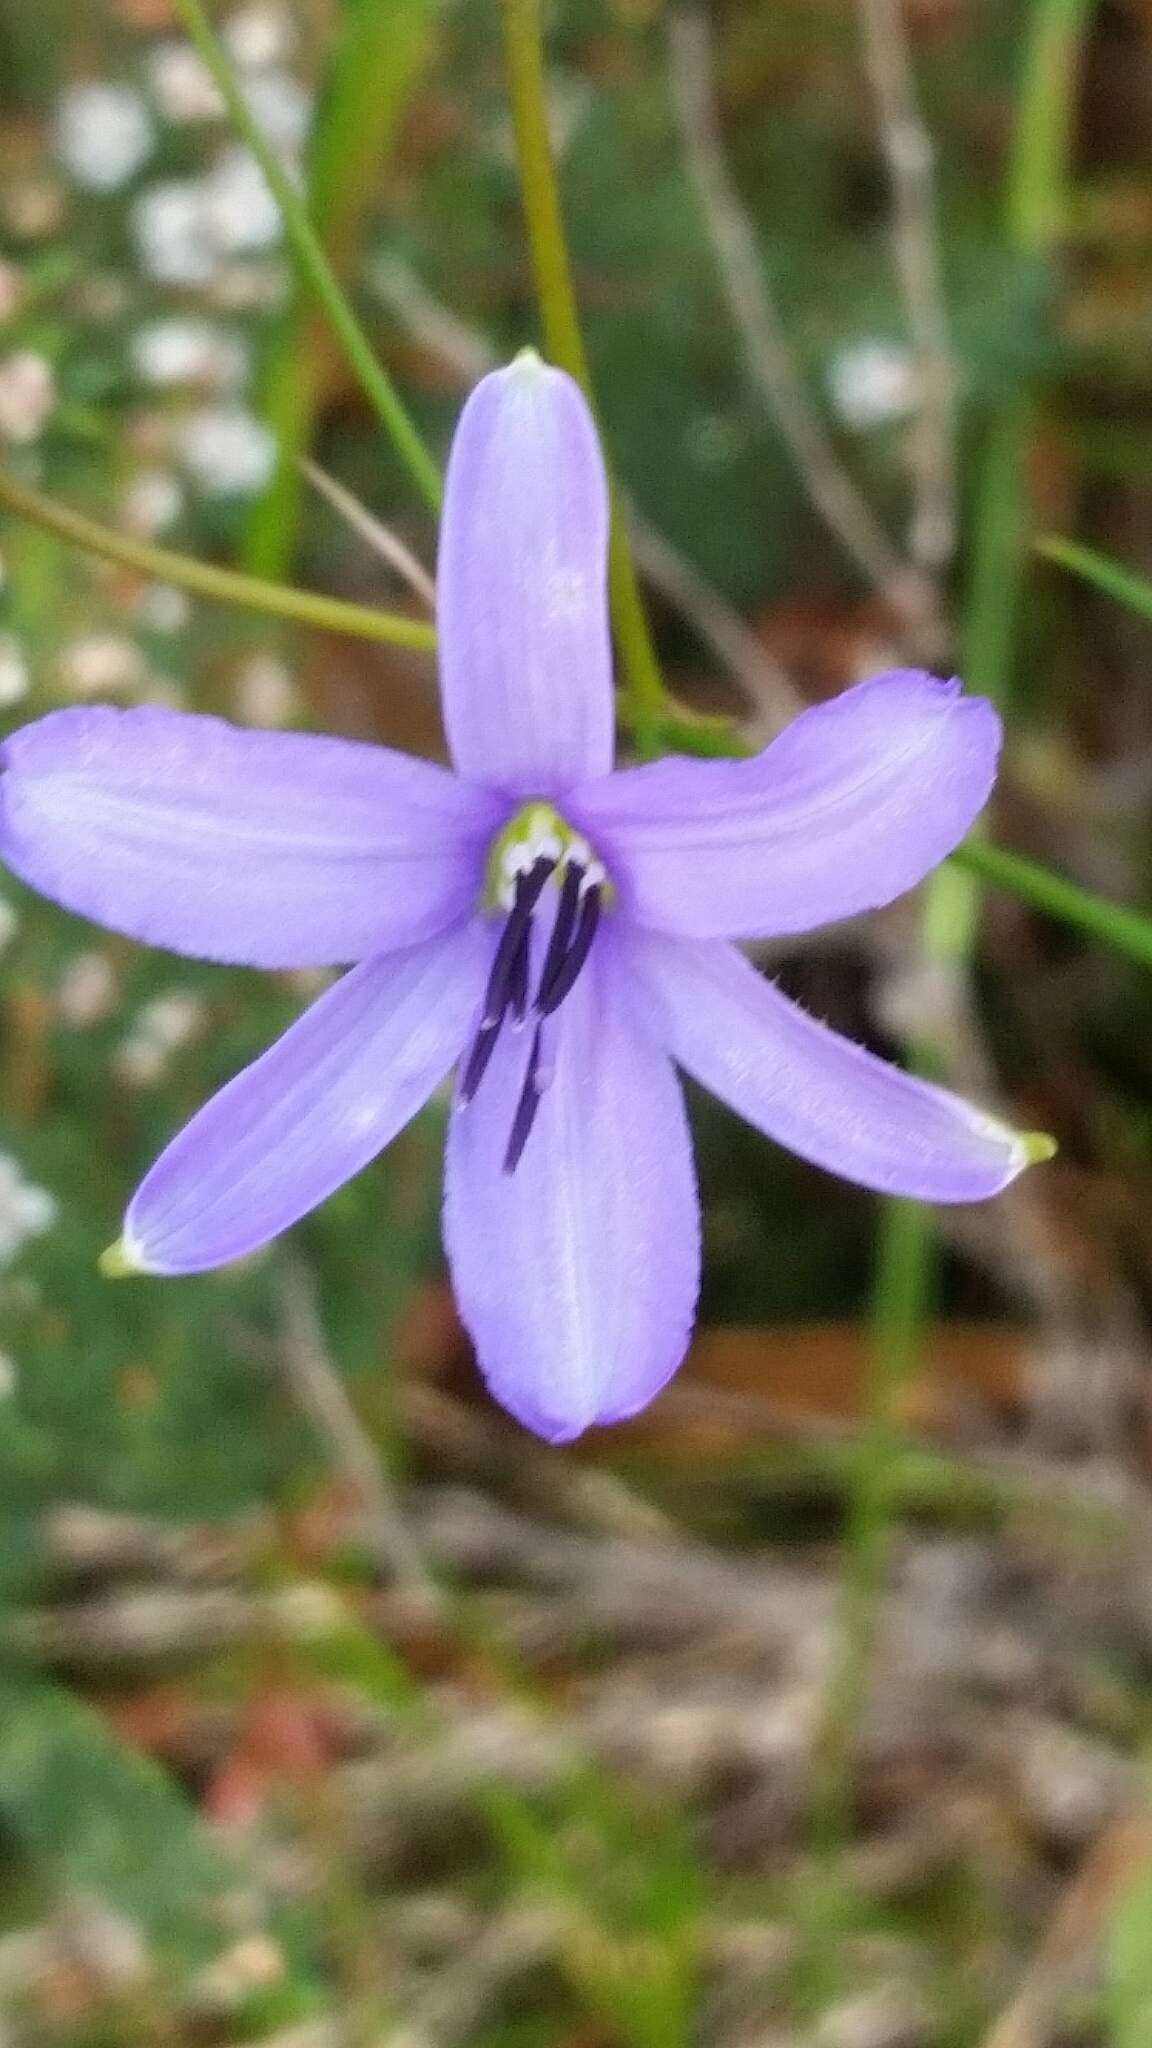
(259, 35)
(9, 923)
(153, 501)
(87, 991)
(186, 228)
(173, 233)
(181, 84)
(100, 664)
(162, 608)
(163, 1026)
(104, 134)
(14, 672)
(226, 450)
(8, 1376)
(27, 396)
(872, 384)
(173, 1018)
(281, 108)
(264, 692)
(248, 1966)
(191, 351)
(253, 284)
(26, 1211)
(239, 212)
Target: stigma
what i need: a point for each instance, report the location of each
(538, 868)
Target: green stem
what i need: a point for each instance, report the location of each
(907, 1246)
(1110, 577)
(223, 586)
(376, 60)
(1124, 930)
(1035, 200)
(644, 692)
(313, 264)
(905, 1275)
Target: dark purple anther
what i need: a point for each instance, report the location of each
(508, 980)
(526, 1108)
(483, 1047)
(518, 979)
(514, 938)
(563, 928)
(554, 987)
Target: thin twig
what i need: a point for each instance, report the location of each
(1073, 1942)
(767, 354)
(910, 155)
(468, 353)
(323, 1398)
(717, 626)
(380, 538)
(205, 579)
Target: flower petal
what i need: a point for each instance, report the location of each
(814, 1091)
(577, 1274)
(854, 803)
(272, 849)
(525, 655)
(314, 1109)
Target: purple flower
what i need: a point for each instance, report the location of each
(557, 933)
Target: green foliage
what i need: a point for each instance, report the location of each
(167, 1398)
(101, 1822)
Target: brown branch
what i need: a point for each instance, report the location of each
(322, 1396)
(767, 354)
(910, 155)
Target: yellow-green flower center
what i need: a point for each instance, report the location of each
(537, 851)
(538, 833)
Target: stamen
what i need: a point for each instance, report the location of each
(529, 888)
(526, 982)
(526, 1108)
(508, 980)
(553, 991)
(563, 928)
(483, 1047)
(518, 979)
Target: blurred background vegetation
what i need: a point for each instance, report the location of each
(814, 1706)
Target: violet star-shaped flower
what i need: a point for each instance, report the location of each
(558, 933)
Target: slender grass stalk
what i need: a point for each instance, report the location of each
(1113, 924)
(1124, 930)
(378, 56)
(312, 262)
(1034, 209)
(903, 1288)
(203, 579)
(643, 690)
(1110, 577)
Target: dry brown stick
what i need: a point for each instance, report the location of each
(379, 538)
(323, 1398)
(1073, 1940)
(767, 354)
(910, 155)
